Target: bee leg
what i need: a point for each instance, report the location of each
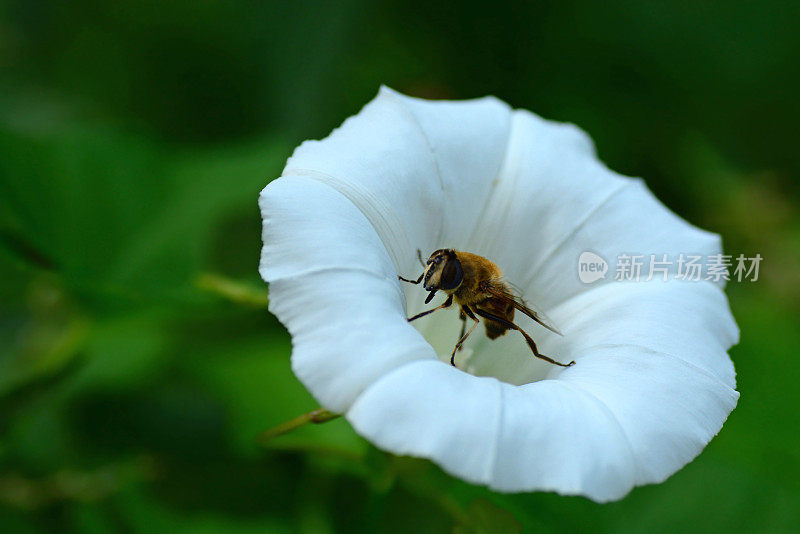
(463, 317)
(528, 338)
(444, 304)
(461, 342)
(465, 312)
(417, 281)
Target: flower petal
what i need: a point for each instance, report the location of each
(416, 170)
(432, 410)
(309, 226)
(334, 288)
(557, 437)
(690, 321)
(549, 179)
(554, 199)
(381, 162)
(543, 436)
(655, 354)
(468, 139)
(348, 329)
(631, 221)
(668, 409)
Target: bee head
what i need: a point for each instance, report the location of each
(443, 271)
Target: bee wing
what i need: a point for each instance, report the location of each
(531, 311)
(538, 316)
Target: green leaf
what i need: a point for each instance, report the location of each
(483, 517)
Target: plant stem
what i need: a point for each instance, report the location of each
(320, 415)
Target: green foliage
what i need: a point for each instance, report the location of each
(138, 364)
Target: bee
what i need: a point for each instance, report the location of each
(477, 287)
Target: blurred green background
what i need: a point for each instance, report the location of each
(138, 363)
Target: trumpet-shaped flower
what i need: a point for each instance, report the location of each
(652, 383)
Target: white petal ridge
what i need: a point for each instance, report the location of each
(334, 288)
(685, 320)
(668, 409)
(553, 199)
(546, 435)
(652, 384)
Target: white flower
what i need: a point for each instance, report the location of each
(652, 383)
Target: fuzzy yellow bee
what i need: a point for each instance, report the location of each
(476, 285)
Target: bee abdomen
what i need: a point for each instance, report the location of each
(500, 308)
(494, 330)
